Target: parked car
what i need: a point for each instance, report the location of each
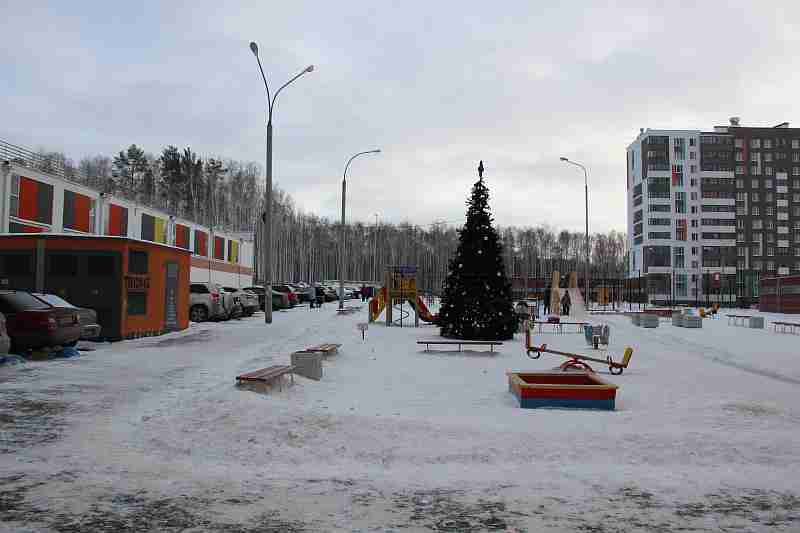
(5, 341)
(209, 301)
(280, 300)
(90, 329)
(305, 292)
(330, 293)
(32, 323)
(293, 299)
(246, 299)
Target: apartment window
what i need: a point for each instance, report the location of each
(691, 141)
(694, 223)
(795, 144)
(755, 143)
(768, 171)
(739, 156)
(659, 221)
(758, 237)
(678, 256)
(695, 264)
(755, 250)
(754, 197)
(137, 262)
(768, 157)
(767, 144)
(797, 252)
(770, 224)
(780, 156)
(740, 183)
(795, 184)
(796, 170)
(757, 265)
(770, 252)
(754, 184)
(694, 209)
(741, 251)
(680, 202)
(739, 170)
(694, 235)
(740, 237)
(755, 170)
(755, 211)
(769, 211)
(796, 211)
(137, 303)
(757, 224)
(693, 195)
(694, 250)
(770, 266)
(15, 195)
(796, 197)
(771, 238)
(755, 157)
(769, 197)
(739, 223)
(796, 157)
(693, 155)
(693, 181)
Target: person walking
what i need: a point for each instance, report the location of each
(565, 303)
(547, 295)
(363, 293)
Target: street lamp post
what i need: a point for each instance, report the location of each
(375, 251)
(586, 193)
(267, 237)
(341, 239)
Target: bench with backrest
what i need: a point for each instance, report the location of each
(558, 327)
(459, 343)
(327, 348)
(786, 327)
(266, 376)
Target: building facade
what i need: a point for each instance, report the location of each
(36, 202)
(710, 213)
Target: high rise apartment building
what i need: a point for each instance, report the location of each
(709, 213)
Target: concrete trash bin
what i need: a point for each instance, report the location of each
(756, 322)
(308, 364)
(692, 322)
(677, 319)
(636, 319)
(648, 321)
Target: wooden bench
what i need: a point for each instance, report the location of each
(558, 327)
(491, 344)
(327, 349)
(786, 327)
(267, 375)
(738, 320)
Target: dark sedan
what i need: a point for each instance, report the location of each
(32, 323)
(90, 329)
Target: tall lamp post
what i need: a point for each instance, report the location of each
(267, 240)
(375, 252)
(586, 191)
(341, 239)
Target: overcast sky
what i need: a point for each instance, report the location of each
(435, 85)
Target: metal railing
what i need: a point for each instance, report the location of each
(40, 162)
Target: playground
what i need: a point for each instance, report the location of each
(705, 433)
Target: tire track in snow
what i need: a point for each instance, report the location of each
(723, 357)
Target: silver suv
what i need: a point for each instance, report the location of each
(209, 301)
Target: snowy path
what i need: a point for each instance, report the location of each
(152, 435)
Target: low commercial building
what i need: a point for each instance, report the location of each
(138, 288)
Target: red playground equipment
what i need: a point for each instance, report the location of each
(576, 360)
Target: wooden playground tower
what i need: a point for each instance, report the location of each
(400, 286)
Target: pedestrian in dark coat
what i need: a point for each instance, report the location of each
(547, 300)
(565, 303)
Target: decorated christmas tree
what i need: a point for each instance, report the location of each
(476, 303)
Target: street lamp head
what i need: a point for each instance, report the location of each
(564, 159)
(310, 68)
(377, 151)
(254, 48)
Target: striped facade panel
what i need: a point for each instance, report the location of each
(148, 227)
(14, 227)
(201, 243)
(182, 236)
(233, 251)
(77, 211)
(35, 201)
(160, 230)
(117, 220)
(219, 248)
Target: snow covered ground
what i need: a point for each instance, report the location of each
(152, 435)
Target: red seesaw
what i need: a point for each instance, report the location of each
(576, 360)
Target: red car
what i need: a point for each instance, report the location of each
(31, 323)
(293, 299)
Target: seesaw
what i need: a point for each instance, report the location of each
(577, 360)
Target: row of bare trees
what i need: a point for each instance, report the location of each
(229, 194)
